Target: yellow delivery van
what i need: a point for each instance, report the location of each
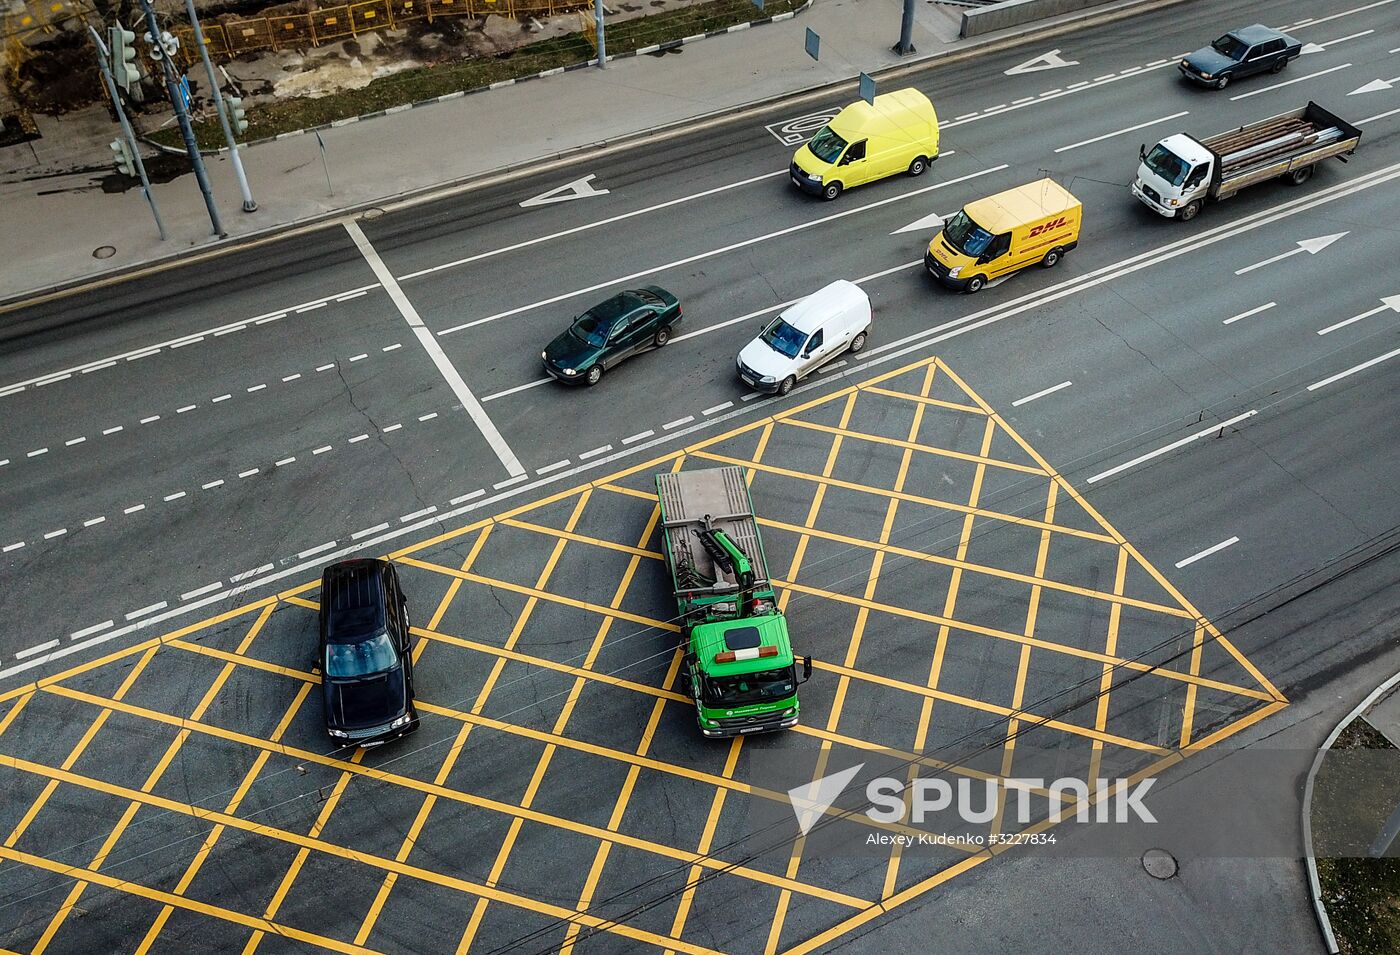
(863, 143)
(992, 237)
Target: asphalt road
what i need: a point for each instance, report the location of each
(176, 444)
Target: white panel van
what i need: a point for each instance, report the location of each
(807, 335)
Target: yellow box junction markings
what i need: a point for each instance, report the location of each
(578, 921)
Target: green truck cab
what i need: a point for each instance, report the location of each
(739, 663)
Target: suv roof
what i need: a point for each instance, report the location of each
(352, 600)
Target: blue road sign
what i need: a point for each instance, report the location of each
(867, 88)
(813, 43)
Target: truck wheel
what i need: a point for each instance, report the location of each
(1300, 175)
(663, 335)
(974, 284)
(1278, 65)
(787, 385)
(595, 375)
(831, 190)
(919, 166)
(1188, 212)
(1052, 259)
(858, 344)
(1223, 82)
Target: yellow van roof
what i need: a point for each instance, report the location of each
(901, 108)
(1007, 210)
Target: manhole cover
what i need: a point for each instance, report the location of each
(1159, 863)
(104, 252)
(372, 213)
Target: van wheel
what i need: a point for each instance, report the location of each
(787, 385)
(919, 166)
(1223, 82)
(1052, 259)
(858, 344)
(1300, 175)
(974, 284)
(1188, 212)
(663, 335)
(595, 375)
(831, 190)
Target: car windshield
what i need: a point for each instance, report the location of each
(966, 236)
(374, 655)
(591, 330)
(748, 688)
(826, 145)
(783, 338)
(1231, 46)
(1167, 164)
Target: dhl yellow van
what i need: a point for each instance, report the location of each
(992, 237)
(862, 143)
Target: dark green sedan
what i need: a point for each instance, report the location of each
(610, 333)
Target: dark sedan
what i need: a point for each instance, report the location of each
(610, 333)
(366, 653)
(1239, 53)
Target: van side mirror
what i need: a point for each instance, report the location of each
(1142, 152)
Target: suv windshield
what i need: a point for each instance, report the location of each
(966, 236)
(826, 145)
(1231, 46)
(591, 330)
(1167, 164)
(783, 338)
(374, 655)
(749, 688)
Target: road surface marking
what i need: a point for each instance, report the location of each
(174, 497)
(1310, 246)
(72, 441)
(392, 347)
(141, 354)
(751, 396)
(322, 449)
(93, 522)
(510, 391)
(1024, 99)
(134, 508)
(220, 398)
(510, 481)
(1390, 303)
(291, 378)
(584, 456)
(107, 431)
(249, 473)
(428, 417)
(58, 533)
(206, 589)
(581, 188)
(1050, 60)
(89, 631)
(312, 551)
(553, 467)
(1253, 311)
(1351, 371)
(1040, 394)
(359, 357)
(392, 427)
(439, 358)
(677, 423)
(346, 298)
(250, 573)
(219, 334)
(310, 308)
(1278, 86)
(709, 411)
(9, 547)
(369, 530)
(35, 454)
(1343, 39)
(186, 408)
(359, 437)
(1119, 132)
(211, 485)
(430, 509)
(1213, 429)
(638, 437)
(325, 367)
(146, 610)
(1372, 119)
(1207, 552)
(256, 388)
(832, 367)
(467, 497)
(39, 648)
(291, 460)
(148, 420)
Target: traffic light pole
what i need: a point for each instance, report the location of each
(186, 130)
(127, 131)
(248, 204)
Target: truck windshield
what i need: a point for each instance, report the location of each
(1167, 164)
(747, 688)
(826, 145)
(783, 338)
(1231, 46)
(374, 655)
(966, 236)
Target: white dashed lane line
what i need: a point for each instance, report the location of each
(716, 408)
(250, 573)
(208, 589)
(678, 422)
(424, 512)
(508, 482)
(144, 611)
(467, 497)
(313, 551)
(9, 547)
(93, 522)
(89, 631)
(22, 654)
(370, 530)
(638, 437)
(584, 456)
(556, 466)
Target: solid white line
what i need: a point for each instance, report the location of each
(133, 508)
(89, 631)
(467, 497)
(1040, 394)
(439, 357)
(589, 454)
(58, 533)
(9, 547)
(248, 473)
(510, 481)
(72, 441)
(1351, 371)
(1207, 552)
(309, 308)
(322, 450)
(591, 225)
(369, 530)
(359, 357)
(221, 398)
(145, 610)
(1355, 318)
(107, 431)
(1372, 119)
(94, 522)
(553, 467)
(1119, 132)
(359, 437)
(428, 417)
(707, 411)
(40, 648)
(312, 551)
(186, 408)
(207, 589)
(211, 485)
(291, 460)
(174, 497)
(1253, 311)
(745, 243)
(417, 514)
(678, 422)
(638, 437)
(1279, 86)
(154, 417)
(1172, 447)
(392, 427)
(291, 378)
(1343, 39)
(529, 384)
(250, 573)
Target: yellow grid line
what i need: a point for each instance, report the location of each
(922, 399)
(912, 445)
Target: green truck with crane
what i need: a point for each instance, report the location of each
(739, 663)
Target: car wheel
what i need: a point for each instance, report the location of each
(831, 190)
(1052, 259)
(1188, 212)
(595, 375)
(975, 284)
(1223, 82)
(919, 166)
(1278, 66)
(1300, 175)
(858, 343)
(663, 335)
(787, 385)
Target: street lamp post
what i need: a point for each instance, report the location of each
(249, 205)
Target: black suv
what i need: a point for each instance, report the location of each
(365, 653)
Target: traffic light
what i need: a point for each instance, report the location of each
(122, 45)
(122, 157)
(237, 115)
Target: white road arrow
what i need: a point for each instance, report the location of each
(809, 802)
(1310, 246)
(1046, 61)
(1376, 86)
(1312, 48)
(578, 189)
(1392, 303)
(926, 224)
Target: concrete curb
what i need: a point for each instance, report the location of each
(336, 124)
(1310, 860)
(547, 161)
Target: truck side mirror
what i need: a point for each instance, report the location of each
(806, 669)
(690, 660)
(1142, 152)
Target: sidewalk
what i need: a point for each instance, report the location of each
(61, 220)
